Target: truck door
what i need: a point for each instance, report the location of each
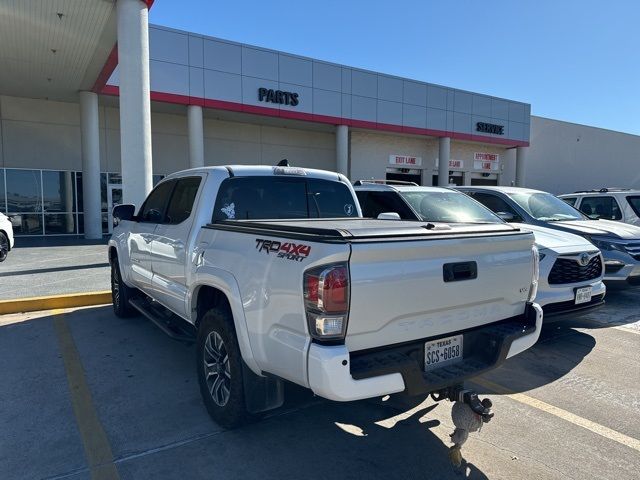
(170, 247)
(142, 234)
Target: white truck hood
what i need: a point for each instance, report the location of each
(602, 227)
(557, 240)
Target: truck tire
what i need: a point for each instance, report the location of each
(120, 293)
(4, 247)
(219, 367)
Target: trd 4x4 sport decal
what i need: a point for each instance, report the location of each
(288, 250)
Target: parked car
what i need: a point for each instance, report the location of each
(6, 236)
(619, 204)
(618, 242)
(571, 268)
(278, 278)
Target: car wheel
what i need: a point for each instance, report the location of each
(4, 247)
(219, 367)
(120, 293)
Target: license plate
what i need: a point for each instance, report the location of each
(445, 351)
(583, 295)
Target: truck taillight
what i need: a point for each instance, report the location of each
(326, 298)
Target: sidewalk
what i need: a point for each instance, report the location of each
(54, 266)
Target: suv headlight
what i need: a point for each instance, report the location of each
(535, 260)
(606, 244)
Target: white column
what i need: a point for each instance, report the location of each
(90, 136)
(196, 136)
(521, 161)
(342, 149)
(444, 155)
(135, 104)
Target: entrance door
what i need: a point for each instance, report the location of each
(484, 179)
(114, 197)
(404, 175)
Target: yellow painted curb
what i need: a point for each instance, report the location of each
(34, 304)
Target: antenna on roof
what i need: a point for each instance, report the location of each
(283, 163)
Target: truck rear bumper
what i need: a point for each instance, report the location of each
(336, 374)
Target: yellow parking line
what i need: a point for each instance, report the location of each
(601, 430)
(94, 439)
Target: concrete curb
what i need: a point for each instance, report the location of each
(19, 305)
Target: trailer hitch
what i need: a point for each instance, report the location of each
(468, 413)
(460, 394)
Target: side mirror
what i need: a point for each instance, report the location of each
(388, 216)
(508, 217)
(123, 212)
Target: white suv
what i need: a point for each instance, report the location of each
(6, 236)
(607, 203)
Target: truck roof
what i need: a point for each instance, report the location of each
(263, 170)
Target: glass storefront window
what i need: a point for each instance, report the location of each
(3, 205)
(115, 178)
(24, 192)
(59, 193)
(26, 224)
(59, 223)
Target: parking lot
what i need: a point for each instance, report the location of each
(88, 395)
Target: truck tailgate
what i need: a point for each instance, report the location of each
(399, 292)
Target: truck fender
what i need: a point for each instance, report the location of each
(125, 273)
(225, 282)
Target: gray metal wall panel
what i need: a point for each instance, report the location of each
(250, 88)
(516, 112)
(223, 86)
(346, 80)
(259, 63)
(436, 97)
(499, 109)
(363, 108)
(196, 51)
(389, 88)
(168, 46)
(481, 105)
(516, 130)
(222, 56)
(305, 98)
(527, 113)
(346, 106)
(436, 119)
(168, 77)
(389, 112)
(327, 77)
(196, 82)
(462, 102)
(461, 122)
(295, 70)
(326, 102)
(450, 119)
(414, 116)
(414, 93)
(364, 84)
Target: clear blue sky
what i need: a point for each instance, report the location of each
(573, 60)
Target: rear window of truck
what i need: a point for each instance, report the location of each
(262, 198)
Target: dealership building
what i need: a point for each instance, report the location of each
(96, 106)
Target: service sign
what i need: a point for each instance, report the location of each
(486, 161)
(405, 161)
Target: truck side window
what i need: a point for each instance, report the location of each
(273, 197)
(375, 203)
(602, 206)
(153, 208)
(182, 200)
(635, 204)
(570, 200)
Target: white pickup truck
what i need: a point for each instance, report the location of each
(277, 277)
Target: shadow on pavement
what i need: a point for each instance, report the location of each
(55, 241)
(53, 269)
(145, 393)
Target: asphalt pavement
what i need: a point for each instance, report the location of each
(54, 266)
(88, 395)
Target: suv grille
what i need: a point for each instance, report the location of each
(567, 270)
(633, 249)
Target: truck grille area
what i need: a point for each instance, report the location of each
(633, 249)
(567, 270)
(485, 348)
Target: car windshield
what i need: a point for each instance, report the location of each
(448, 207)
(545, 207)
